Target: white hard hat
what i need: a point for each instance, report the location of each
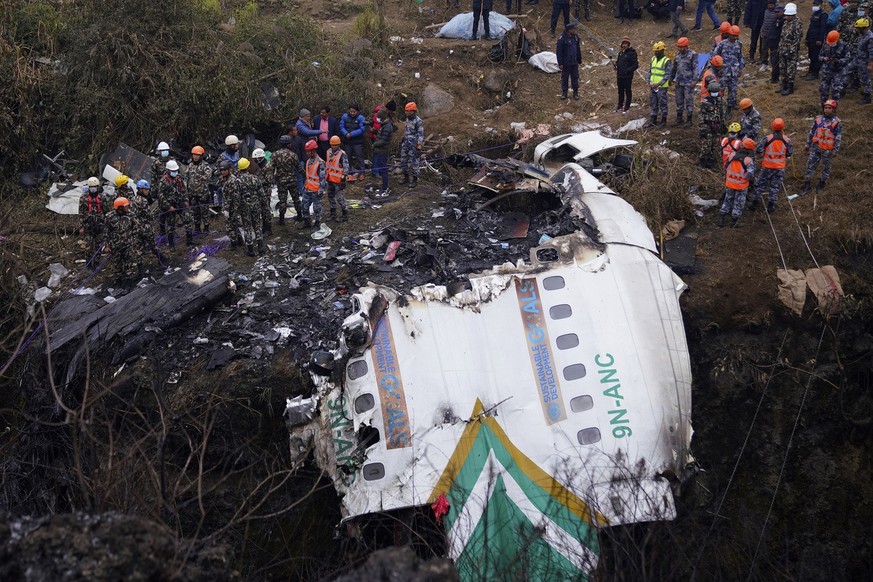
(163, 147)
(92, 181)
(173, 166)
(258, 154)
(231, 140)
(791, 9)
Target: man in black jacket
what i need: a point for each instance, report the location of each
(815, 37)
(569, 58)
(659, 9)
(626, 64)
(753, 18)
(676, 7)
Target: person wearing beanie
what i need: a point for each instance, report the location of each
(625, 65)
(304, 128)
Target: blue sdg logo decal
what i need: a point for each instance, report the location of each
(554, 411)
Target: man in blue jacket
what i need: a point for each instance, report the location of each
(352, 127)
(569, 58)
(815, 37)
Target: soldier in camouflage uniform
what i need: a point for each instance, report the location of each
(141, 213)
(789, 48)
(735, 11)
(197, 184)
(93, 208)
(159, 166)
(286, 167)
(846, 23)
(823, 143)
(122, 187)
(121, 236)
(776, 148)
(731, 52)
(244, 191)
(259, 169)
(835, 57)
(225, 190)
(173, 205)
(863, 55)
(750, 122)
(410, 147)
(711, 123)
(684, 75)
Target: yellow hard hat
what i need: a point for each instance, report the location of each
(659, 46)
(243, 163)
(734, 127)
(862, 23)
(121, 180)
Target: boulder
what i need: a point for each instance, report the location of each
(435, 101)
(495, 80)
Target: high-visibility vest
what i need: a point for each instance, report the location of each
(825, 132)
(334, 168)
(728, 148)
(659, 70)
(708, 76)
(313, 177)
(735, 176)
(775, 152)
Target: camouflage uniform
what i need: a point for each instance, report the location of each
(313, 197)
(817, 153)
(750, 124)
(684, 74)
(159, 166)
(862, 55)
(286, 167)
(121, 235)
(92, 216)
(735, 199)
(771, 177)
(729, 76)
(834, 63)
(735, 12)
(197, 182)
(410, 147)
(846, 26)
(789, 50)
(172, 195)
(711, 120)
(264, 175)
(231, 205)
(140, 212)
(244, 192)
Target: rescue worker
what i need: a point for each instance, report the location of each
(140, 212)
(626, 63)
(225, 176)
(231, 150)
(410, 147)
(173, 205)
(731, 143)
(724, 32)
(197, 184)
(739, 172)
(835, 57)
(314, 187)
(683, 75)
(776, 149)
(122, 187)
(731, 51)
(336, 170)
(93, 208)
(286, 169)
(569, 55)
(352, 127)
(774, 35)
(659, 80)
(711, 72)
(846, 22)
(815, 38)
(121, 236)
(482, 8)
(859, 68)
(676, 7)
(246, 192)
(823, 144)
(258, 168)
(750, 122)
(381, 148)
(734, 12)
(789, 49)
(159, 166)
(711, 124)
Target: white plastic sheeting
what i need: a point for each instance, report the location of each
(545, 61)
(461, 26)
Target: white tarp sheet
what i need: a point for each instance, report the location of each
(461, 26)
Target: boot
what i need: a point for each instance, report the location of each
(332, 217)
(250, 250)
(738, 222)
(787, 90)
(262, 248)
(865, 99)
(171, 241)
(233, 243)
(688, 122)
(753, 206)
(413, 183)
(281, 217)
(206, 228)
(820, 186)
(774, 79)
(680, 117)
(316, 221)
(807, 187)
(720, 222)
(575, 95)
(345, 215)
(587, 15)
(304, 223)
(405, 179)
(653, 120)
(268, 227)
(189, 238)
(564, 96)
(771, 207)
(663, 121)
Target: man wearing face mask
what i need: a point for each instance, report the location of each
(159, 166)
(815, 38)
(231, 149)
(173, 205)
(93, 208)
(260, 170)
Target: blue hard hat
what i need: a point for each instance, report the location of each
(143, 184)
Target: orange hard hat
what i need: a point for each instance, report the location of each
(725, 27)
(833, 37)
(198, 150)
(310, 145)
(121, 201)
(716, 61)
(778, 124)
(334, 140)
(411, 106)
(745, 103)
(735, 30)
(748, 143)
(682, 41)
(830, 103)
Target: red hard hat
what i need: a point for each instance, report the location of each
(198, 150)
(725, 27)
(716, 61)
(778, 124)
(411, 106)
(830, 103)
(682, 41)
(310, 145)
(735, 30)
(121, 201)
(833, 37)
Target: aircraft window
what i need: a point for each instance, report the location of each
(357, 369)
(364, 402)
(547, 255)
(375, 471)
(553, 283)
(574, 372)
(562, 311)
(586, 436)
(567, 341)
(582, 403)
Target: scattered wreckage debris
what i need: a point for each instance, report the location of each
(552, 387)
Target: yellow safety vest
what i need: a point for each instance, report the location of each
(659, 70)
